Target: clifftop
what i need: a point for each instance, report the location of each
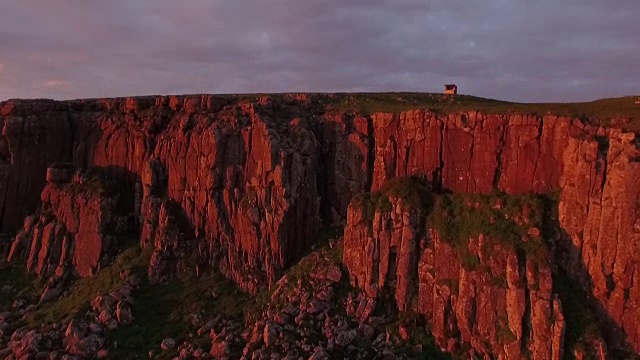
(623, 111)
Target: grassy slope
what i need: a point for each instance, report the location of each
(162, 311)
(159, 310)
(16, 283)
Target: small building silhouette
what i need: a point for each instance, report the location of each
(450, 89)
(638, 101)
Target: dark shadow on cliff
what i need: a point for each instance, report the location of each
(123, 182)
(336, 191)
(586, 317)
(576, 288)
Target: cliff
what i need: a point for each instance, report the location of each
(74, 228)
(475, 266)
(599, 211)
(249, 181)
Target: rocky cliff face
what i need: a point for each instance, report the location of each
(488, 295)
(599, 210)
(243, 174)
(472, 152)
(74, 228)
(253, 179)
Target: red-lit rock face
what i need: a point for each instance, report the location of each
(472, 152)
(600, 211)
(499, 304)
(254, 180)
(70, 231)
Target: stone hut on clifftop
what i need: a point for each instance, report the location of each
(450, 89)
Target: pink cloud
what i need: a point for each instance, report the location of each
(55, 83)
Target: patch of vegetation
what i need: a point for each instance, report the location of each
(163, 310)
(95, 181)
(518, 221)
(599, 112)
(84, 290)
(468, 260)
(504, 218)
(414, 191)
(370, 203)
(160, 310)
(16, 283)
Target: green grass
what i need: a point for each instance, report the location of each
(19, 283)
(370, 203)
(159, 311)
(413, 190)
(460, 217)
(84, 290)
(597, 112)
(163, 311)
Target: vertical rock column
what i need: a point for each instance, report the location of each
(600, 212)
(73, 227)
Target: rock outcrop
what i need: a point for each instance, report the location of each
(491, 294)
(74, 227)
(472, 152)
(246, 186)
(254, 177)
(243, 174)
(80, 338)
(600, 211)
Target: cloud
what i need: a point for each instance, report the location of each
(510, 49)
(55, 83)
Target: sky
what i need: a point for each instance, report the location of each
(517, 50)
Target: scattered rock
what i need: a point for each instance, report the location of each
(168, 344)
(220, 349)
(123, 313)
(270, 334)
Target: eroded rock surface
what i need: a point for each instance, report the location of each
(600, 211)
(74, 228)
(490, 293)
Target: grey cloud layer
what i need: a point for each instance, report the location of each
(520, 50)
